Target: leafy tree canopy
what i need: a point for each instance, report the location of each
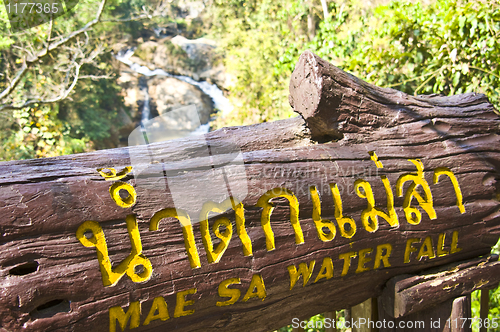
(445, 47)
(58, 90)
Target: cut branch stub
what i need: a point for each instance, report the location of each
(313, 95)
(334, 103)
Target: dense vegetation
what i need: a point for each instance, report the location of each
(444, 46)
(72, 98)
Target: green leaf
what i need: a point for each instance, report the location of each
(456, 78)
(461, 21)
(473, 27)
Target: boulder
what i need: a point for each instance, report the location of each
(168, 94)
(194, 58)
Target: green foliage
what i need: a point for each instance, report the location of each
(445, 47)
(335, 40)
(253, 35)
(88, 118)
(37, 132)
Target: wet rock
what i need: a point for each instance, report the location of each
(190, 10)
(200, 51)
(196, 58)
(166, 94)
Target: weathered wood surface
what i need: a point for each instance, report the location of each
(331, 315)
(51, 282)
(439, 317)
(405, 294)
(485, 308)
(461, 309)
(364, 312)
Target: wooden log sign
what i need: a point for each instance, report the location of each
(279, 220)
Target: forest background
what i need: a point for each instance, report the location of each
(58, 81)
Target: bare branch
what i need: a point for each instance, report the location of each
(63, 95)
(96, 77)
(15, 81)
(29, 61)
(77, 32)
(326, 15)
(78, 57)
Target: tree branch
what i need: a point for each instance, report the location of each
(96, 77)
(63, 95)
(326, 15)
(29, 61)
(15, 81)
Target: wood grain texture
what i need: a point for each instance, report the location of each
(405, 295)
(365, 311)
(447, 316)
(461, 309)
(430, 319)
(50, 282)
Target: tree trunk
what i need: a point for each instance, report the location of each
(324, 5)
(311, 24)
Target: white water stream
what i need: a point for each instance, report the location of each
(220, 102)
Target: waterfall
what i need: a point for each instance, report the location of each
(220, 102)
(146, 110)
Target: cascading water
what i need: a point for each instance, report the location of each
(146, 110)
(220, 102)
